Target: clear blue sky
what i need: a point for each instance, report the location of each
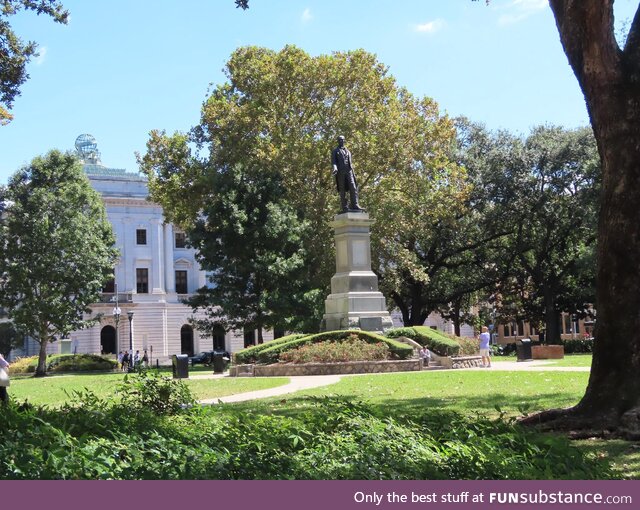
(122, 67)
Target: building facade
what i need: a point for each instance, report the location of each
(141, 308)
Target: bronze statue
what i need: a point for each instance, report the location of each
(345, 177)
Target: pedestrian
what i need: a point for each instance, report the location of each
(136, 360)
(120, 355)
(4, 379)
(485, 340)
(125, 361)
(145, 359)
(425, 354)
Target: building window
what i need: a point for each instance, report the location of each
(181, 240)
(181, 282)
(141, 236)
(142, 281)
(109, 286)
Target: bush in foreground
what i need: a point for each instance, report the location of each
(333, 438)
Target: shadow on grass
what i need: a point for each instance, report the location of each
(411, 407)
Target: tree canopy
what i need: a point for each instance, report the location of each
(279, 114)
(56, 248)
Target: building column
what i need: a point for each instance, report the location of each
(169, 273)
(128, 249)
(157, 250)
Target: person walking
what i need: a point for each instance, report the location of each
(425, 354)
(485, 340)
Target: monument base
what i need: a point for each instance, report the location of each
(354, 302)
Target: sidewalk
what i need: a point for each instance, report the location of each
(295, 384)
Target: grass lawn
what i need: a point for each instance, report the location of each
(57, 389)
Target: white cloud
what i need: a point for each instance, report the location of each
(430, 27)
(519, 10)
(306, 15)
(42, 54)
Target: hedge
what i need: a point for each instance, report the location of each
(250, 354)
(431, 338)
(66, 363)
(272, 353)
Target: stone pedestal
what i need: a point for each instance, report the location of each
(354, 302)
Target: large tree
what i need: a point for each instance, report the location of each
(14, 53)
(280, 112)
(56, 249)
(249, 240)
(609, 76)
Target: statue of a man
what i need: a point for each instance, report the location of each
(345, 178)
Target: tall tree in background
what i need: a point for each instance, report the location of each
(56, 249)
(557, 212)
(14, 53)
(280, 112)
(249, 240)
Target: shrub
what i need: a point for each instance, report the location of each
(250, 354)
(431, 338)
(578, 346)
(58, 363)
(351, 349)
(468, 346)
(335, 439)
(152, 391)
(398, 350)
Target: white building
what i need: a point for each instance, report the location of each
(155, 272)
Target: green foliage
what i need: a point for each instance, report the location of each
(61, 363)
(272, 353)
(578, 346)
(9, 338)
(250, 354)
(157, 393)
(249, 239)
(56, 248)
(277, 117)
(468, 346)
(16, 54)
(433, 339)
(334, 439)
(350, 349)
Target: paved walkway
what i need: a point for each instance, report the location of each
(297, 383)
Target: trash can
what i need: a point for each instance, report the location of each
(523, 349)
(180, 366)
(218, 363)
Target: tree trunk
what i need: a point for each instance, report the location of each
(260, 339)
(610, 80)
(456, 317)
(41, 369)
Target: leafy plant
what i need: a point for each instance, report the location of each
(155, 392)
(351, 349)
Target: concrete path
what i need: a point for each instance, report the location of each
(297, 383)
(531, 366)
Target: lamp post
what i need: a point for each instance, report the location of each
(116, 317)
(130, 315)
